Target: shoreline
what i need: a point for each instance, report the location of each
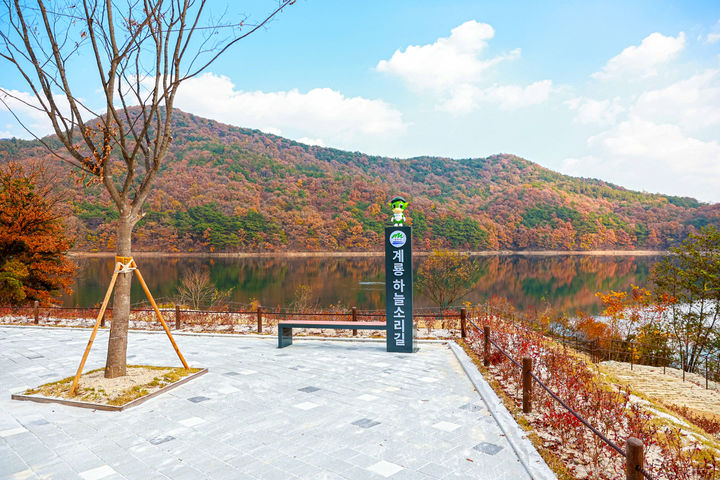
(487, 253)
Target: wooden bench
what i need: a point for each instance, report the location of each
(285, 328)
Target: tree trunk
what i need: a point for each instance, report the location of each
(116, 363)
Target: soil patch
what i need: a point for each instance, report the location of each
(140, 381)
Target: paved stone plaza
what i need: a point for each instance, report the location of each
(317, 410)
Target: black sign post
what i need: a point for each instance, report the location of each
(398, 289)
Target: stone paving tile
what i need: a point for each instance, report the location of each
(365, 423)
(385, 469)
(488, 448)
(320, 410)
(308, 389)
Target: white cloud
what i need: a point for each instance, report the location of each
(467, 98)
(642, 155)
(714, 36)
(600, 112)
(454, 70)
(513, 96)
(321, 111)
(449, 62)
(25, 106)
(663, 139)
(312, 141)
(663, 145)
(272, 130)
(642, 60)
(660, 140)
(693, 103)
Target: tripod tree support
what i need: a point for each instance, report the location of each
(123, 265)
(160, 317)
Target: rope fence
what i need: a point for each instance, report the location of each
(257, 318)
(633, 453)
(450, 321)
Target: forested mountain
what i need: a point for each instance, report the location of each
(224, 188)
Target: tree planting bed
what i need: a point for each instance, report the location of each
(141, 383)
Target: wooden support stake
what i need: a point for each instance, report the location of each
(634, 459)
(160, 317)
(527, 384)
(354, 319)
(102, 320)
(463, 319)
(95, 329)
(178, 319)
(706, 373)
(486, 359)
(259, 319)
(36, 312)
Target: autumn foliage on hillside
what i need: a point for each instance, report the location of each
(225, 188)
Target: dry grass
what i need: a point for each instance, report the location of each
(93, 387)
(669, 387)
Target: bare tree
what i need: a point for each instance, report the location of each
(197, 290)
(447, 276)
(140, 52)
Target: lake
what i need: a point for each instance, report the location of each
(566, 282)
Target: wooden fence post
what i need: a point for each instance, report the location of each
(486, 335)
(706, 372)
(593, 350)
(36, 312)
(178, 318)
(527, 384)
(259, 319)
(463, 319)
(354, 319)
(633, 459)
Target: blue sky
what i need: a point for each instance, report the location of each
(628, 92)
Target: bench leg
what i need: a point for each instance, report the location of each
(284, 337)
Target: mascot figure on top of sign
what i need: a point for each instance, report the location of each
(398, 206)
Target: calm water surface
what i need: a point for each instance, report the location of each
(568, 283)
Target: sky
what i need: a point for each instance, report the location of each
(624, 91)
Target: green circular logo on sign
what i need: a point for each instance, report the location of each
(397, 238)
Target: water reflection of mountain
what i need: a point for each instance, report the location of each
(565, 282)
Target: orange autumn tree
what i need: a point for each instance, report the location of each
(635, 317)
(590, 328)
(628, 313)
(33, 242)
